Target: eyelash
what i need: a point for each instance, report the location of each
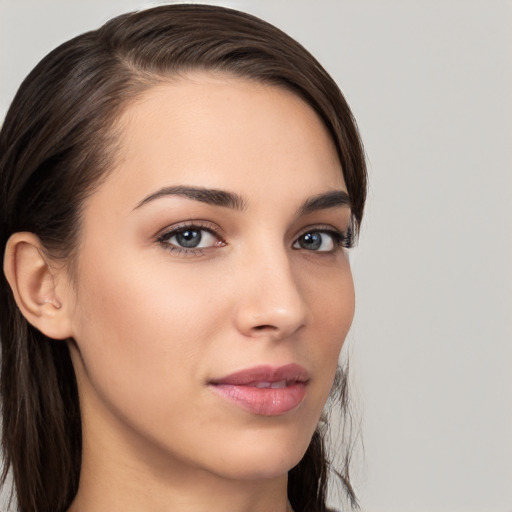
(340, 239)
(181, 228)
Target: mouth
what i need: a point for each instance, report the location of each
(271, 385)
(265, 390)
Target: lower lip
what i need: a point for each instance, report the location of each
(263, 401)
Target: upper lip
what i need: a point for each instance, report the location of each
(290, 373)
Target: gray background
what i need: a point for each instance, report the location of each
(430, 83)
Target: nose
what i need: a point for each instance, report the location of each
(270, 299)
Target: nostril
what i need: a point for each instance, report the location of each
(264, 327)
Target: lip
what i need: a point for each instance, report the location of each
(265, 390)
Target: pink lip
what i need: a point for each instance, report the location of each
(265, 390)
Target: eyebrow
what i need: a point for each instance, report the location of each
(214, 197)
(331, 199)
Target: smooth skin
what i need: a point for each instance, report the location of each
(155, 319)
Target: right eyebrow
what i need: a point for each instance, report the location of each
(215, 197)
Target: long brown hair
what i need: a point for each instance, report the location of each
(56, 144)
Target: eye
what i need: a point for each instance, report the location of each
(322, 240)
(189, 238)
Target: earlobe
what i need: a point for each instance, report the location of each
(34, 284)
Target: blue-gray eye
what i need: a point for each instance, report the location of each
(191, 238)
(188, 238)
(321, 241)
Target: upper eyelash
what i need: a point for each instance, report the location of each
(343, 239)
(169, 232)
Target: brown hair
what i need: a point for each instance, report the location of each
(56, 144)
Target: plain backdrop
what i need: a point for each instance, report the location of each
(430, 83)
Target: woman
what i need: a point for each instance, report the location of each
(179, 190)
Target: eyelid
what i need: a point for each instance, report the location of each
(188, 224)
(341, 238)
(169, 231)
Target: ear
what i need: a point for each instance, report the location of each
(36, 285)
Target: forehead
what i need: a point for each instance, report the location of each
(223, 132)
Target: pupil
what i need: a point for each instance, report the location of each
(311, 241)
(189, 238)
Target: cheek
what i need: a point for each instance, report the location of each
(332, 305)
(331, 298)
(143, 331)
(130, 300)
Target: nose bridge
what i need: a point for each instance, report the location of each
(270, 298)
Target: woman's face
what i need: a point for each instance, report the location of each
(212, 292)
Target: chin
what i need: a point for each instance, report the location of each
(263, 469)
(266, 454)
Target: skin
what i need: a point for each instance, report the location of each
(154, 324)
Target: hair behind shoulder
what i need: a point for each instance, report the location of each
(58, 141)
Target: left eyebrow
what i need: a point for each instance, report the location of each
(332, 199)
